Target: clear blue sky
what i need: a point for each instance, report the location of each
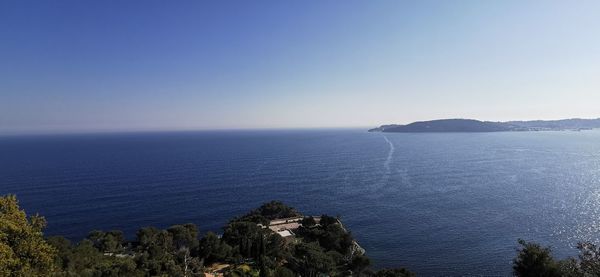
(136, 65)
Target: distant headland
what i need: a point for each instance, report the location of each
(471, 125)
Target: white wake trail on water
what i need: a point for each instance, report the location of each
(386, 164)
(378, 188)
(390, 155)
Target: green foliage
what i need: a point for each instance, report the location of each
(269, 211)
(251, 241)
(589, 259)
(245, 237)
(184, 236)
(111, 241)
(399, 272)
(331, 236)
(213, 249)
(23, 250)
(63, 246)
(359, 263)
(311, 260)
(318, 249)
(328, 220)
(284, 272)
(276, 209)
(242, 271)
(85, 259)
(336, 238)
(156, 252)
(535, 260)
(308, 222)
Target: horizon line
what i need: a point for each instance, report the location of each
(44, 132)
(165, 130)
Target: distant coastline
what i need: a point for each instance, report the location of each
(472, 125)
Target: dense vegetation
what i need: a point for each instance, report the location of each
(246, 248)
(535, 260)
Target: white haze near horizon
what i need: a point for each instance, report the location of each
(297, 65)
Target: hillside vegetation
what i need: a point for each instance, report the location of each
(320, 247)
(246, 248)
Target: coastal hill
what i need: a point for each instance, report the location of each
(274, 240)
(471, 125)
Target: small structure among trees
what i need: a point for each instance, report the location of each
(250, 246)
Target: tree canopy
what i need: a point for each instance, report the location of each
(322, 248)
(23, 250)
(535, 260)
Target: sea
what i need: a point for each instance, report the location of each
(439, 204)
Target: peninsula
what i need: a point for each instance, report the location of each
(471, 125)
(274, 240)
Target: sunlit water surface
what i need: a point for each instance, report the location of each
(439, 204)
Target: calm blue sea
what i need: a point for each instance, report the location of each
(439, 204)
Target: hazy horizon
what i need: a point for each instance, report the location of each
(57, 131)
(82, 66)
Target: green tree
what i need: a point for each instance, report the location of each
(321, 250)
(312, 260)
(359, 264)
(23, 250)
(308, 222)
(336, 238)
(212, 249)
(244, 237)
(111, 241)
(534, 260)
(276, 209)
(269, 211)
(85, 259)
(328, 220)
(589, 258)
(185, 242)
(185, 235)
(155, 253)
(242, 270)
(284, 272)
(398, 272)
(64, 249)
